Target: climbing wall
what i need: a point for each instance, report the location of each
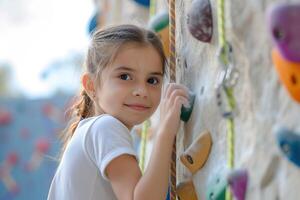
(263, 103)
(29, 146)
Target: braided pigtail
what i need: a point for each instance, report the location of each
(82, 108)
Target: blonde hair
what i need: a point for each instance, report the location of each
(104, 47)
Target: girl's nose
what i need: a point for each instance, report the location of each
(140, 91)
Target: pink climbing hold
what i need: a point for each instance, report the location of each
(53, 113)
(41, 147)
(47, 109)
(12, 158)
(5, 117)
(238, 180)
(283, 19)
(5, 175)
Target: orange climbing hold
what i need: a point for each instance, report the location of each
(289, 74)
(196, 155)
(186, 191)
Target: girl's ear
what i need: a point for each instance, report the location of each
(88, 85)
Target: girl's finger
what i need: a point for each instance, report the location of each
(179, 102)
(178, 92)
(172, 87)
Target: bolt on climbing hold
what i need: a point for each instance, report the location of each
(160, 24)
(197, 153)
(289, 143)
(186, 111)
(238, 180)
(289, 74)
(186, 191)
(217, 189)
(199, 20)
(283, 20)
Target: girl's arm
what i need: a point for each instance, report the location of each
(124, 173)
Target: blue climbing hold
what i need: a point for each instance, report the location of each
(93, 23)
(145, 3)
(289, 143)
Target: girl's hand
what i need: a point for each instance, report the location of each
(174, 96)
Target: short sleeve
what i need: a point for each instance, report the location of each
(107, 139)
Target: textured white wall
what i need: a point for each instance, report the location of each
(263, 103)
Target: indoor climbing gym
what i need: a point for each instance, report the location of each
(150, 99)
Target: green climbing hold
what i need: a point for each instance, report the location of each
(187, 111)
(159, 21)
(217, 189)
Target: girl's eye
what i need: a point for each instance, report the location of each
(125, 77)
(153, 81)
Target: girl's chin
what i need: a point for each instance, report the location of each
(130, 125)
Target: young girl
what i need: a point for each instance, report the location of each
(122, 88)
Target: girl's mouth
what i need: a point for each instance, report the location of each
(137, 107)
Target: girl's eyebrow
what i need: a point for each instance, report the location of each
(132, 70)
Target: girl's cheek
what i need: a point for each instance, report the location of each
(158, 96)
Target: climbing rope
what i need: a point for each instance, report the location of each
(225, 60)
(145, 129)
(172, 26)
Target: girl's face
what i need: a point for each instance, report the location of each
(130, 87)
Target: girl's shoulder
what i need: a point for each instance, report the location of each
(104, 121)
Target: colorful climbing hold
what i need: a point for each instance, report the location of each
(41, 147)
(186, 111)
(160, 24)
(284, 26)
(217, 189)
(93, 23)
(12, 158)
(186, 191)
(5, 117)
(199, 20)
(53, 113)
(289, 143)
(238, 180)
(197, 154)
(289, 74)
(145, 3)
(5, 172)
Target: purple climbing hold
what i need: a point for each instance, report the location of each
(199, 20)
(238, 180)
(284, 26)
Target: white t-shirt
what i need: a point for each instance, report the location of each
(81, 172)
